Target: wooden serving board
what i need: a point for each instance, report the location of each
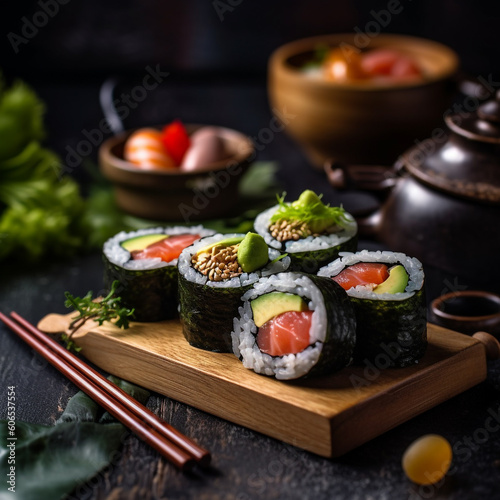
(327, 415)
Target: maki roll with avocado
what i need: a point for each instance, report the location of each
(213, 275)
(145, 264)
(386, 290)
(309, 231)
(294, 325)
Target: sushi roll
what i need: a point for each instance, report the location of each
(309, 231)
(213, 275)
(294, 325)
(386, 290)
(145, 264)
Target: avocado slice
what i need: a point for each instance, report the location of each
(273, 304)
(395, 283)
(323, 216)
(253, 252)
(308, 198)
(142, 242)
(222, 243)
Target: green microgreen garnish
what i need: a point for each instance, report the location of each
(315, 213)
(282, 256)
(106, 309)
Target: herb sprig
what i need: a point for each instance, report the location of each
(108, 308)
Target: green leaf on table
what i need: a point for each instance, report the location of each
(51, 461)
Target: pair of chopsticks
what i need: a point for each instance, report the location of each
(169, 442)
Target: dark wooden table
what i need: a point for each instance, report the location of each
(246, 464)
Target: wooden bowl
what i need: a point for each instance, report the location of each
(174, 195)
(367, 122)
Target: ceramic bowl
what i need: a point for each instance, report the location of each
(367, 122)
(173, 195)
(468, 311)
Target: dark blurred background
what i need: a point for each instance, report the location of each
(215, 51)
(80, 38)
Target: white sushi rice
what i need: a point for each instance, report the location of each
(244, 332)
(411, 264)
(117, 255)
(188, 272)
(311, 243)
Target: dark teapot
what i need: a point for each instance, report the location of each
(442, 197)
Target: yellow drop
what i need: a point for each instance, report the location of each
(427, 460)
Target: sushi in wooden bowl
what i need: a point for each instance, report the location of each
(174, 194)
(360, 121)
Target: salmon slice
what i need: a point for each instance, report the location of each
(287, 333)
(167, 249)
(363, 273)
(391, 63)
(144, 148)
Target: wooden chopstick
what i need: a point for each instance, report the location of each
(199, 454)
(176, 447)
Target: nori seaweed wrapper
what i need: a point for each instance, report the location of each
(390, 332)
(309, 254)
(207, 311)
(207, 314)
(152, 293)
(339, 339)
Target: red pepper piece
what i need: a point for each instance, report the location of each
(176, 140)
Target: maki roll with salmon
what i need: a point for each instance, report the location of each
(145, 264)
(294, 325)
(309, 231)
(213, 275)
(386, 290)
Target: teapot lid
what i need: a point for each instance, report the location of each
(482, 125)
(467, 163)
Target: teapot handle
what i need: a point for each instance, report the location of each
(377, 179)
